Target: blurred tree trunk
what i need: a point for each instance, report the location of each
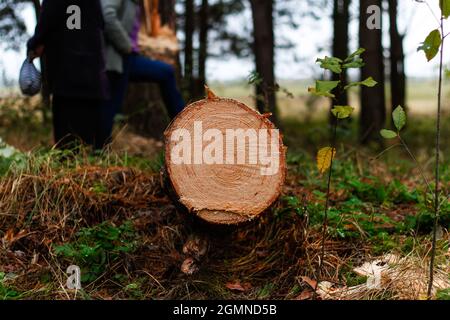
(169, 18)
(45, 90)
(189, 29)
(373, 105)
(168, 14)
(397, 60)
(264, 52)
(203, 48)
(340, 49)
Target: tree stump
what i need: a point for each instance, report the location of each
(225, 161)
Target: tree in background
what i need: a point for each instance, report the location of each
(13, 30)
(341, 17)
(189, 28)
(205, 22)
(203, 46)
(397, 59)
(168, 14)
(373, 105)
(264, 53)
(228, 42)
(212, 25)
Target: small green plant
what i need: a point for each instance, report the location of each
(8, 156)
(6, 292)
(158, 163)
(399, 119)
(443, 294)
(433, 44)
(266, 291)
(425, 218)
(290, 204)
(134, 290)
(99, 188)
(96, 247)
(330, 89)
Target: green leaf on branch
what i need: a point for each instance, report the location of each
(323, 88)
(342, 112)
(445, 8)
(388, 134)
(431, 44)
(355, 64)
(369, 82)
(331, 63)
(358, 52)
(354, 60)
(399, 117)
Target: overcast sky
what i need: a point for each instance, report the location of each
(415, 19)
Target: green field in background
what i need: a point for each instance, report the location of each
(421, 97)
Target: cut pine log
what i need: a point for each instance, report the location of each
(225, 161)
(164, 47)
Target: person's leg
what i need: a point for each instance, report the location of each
(58, 122)
(97, 115)
(85, 119)
(143, 69)
(110, 107)
(61, 123)
(76, 120)
(118, 83)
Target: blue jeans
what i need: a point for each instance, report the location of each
(137, 68)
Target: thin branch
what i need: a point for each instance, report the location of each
(384, 151)
(327, 204)
(431, 10)
(418, 165)
(437, 181)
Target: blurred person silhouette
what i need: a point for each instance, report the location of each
(125, 64)
(70, 34)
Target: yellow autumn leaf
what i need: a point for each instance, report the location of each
(324, 157)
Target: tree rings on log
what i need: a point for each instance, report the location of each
(226, 162)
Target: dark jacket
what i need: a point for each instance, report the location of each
(74, 58)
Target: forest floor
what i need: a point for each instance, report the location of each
(111, 215)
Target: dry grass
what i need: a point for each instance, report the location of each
(47, 200)
(400, 278)
(43, 205)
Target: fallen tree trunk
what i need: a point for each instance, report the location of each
(225, 161)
